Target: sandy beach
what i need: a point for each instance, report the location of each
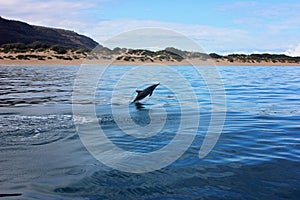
(210, 62)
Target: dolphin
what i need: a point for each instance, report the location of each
(144, 93)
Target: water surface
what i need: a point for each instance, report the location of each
(256, 157)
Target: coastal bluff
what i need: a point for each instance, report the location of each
(12, 31)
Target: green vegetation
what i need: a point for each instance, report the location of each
(252, 58)
(60, 49)
(22, 57)
(82, 51)
(147, 55)
(39, 47)
(215, 56)
(27, 52)
(27, 57)
(14, 47)
(41, 58)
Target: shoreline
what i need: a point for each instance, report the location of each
(195, 62)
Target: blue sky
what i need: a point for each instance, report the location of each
(217, 26)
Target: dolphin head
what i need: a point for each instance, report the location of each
(155, 85)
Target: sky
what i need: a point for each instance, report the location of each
(231, 26)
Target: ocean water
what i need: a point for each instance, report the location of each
(42, 156)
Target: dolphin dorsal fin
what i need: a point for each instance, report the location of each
(139, 91)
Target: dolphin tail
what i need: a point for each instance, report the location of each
(133, 102)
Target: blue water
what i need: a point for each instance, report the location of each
(256, 157)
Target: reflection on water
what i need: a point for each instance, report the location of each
(139, 106)
(256, 157)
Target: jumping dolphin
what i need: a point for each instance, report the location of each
(144, 93)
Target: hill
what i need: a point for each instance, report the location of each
(12, 31)
(24, 43)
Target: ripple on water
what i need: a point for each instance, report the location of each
(34, 130)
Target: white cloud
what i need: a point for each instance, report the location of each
(263, 15)
(53, 13)
(293, 51)
(208, 37)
